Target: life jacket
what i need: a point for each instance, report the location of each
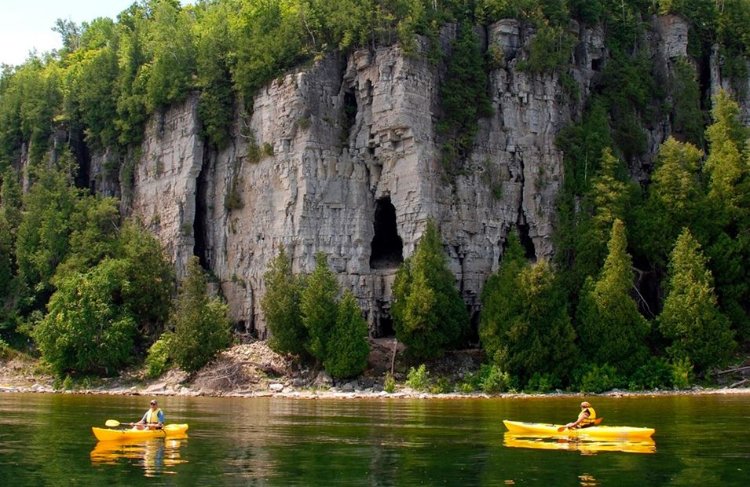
(152, 417)
(590, 420)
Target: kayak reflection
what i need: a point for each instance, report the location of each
(156, 456)
(585, 447)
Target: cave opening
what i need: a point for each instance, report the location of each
(387, 246)
(526, 242)
(385, 327)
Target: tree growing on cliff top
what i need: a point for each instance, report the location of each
(428, 312)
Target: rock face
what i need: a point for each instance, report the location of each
(342, 158)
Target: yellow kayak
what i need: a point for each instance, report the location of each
(170, 430)
(593, 432)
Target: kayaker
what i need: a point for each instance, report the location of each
(585, 418)
(153, 418)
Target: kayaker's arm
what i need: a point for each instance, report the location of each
(584, 415)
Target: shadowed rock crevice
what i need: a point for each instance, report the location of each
(387, 246)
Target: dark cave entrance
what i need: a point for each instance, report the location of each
(526, 242)
(387, 246)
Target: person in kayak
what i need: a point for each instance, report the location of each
(586, 417)
(153, 418)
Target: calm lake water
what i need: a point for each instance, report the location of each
(46, 439)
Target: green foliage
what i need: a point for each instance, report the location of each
(725, 166)
(682, 373)
(348, 348)
(675, 200)
(319, 308)
(550, 50)
(42, 240)
(541, 382)
(170, 43)
(500, 299)
(464, 99)
(418, 379)
(157, 358)
(492, 379)
(389, 383)
(86, 330)
(598, 378)
(525, 327)
(687, 115)
(428, 311)
(150, 272)
(200, 323)
(610, 328)
(691, 318)
(281, 307)
(654, 374)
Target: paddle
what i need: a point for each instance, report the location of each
(563, 428)
(113, 423)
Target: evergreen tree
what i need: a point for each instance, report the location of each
(728, 247)
(500, 299)
(319, 307)
(675, 200)
(347, 345)
(281, 307)
(611, 329)
(428, 312)
(725, 165)
(691, 318)
(149, 299)
(464, 98)
(538, 336)
(43, 238)
(200, 322)
(607, 200)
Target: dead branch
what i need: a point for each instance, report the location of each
(734, 370)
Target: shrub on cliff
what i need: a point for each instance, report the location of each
(428, 312)
(201, 323)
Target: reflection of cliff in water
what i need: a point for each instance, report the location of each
(156, 456)
(582, 446)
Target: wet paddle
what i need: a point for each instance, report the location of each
(563, 428)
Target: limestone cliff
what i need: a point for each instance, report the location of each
(342, 157)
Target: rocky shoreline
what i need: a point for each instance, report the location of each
(253, 370)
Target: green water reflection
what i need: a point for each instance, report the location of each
(47, 440)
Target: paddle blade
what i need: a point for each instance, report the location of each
(112, 423)
(598, 420)
(561, 429)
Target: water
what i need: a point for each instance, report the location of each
(45, 439)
